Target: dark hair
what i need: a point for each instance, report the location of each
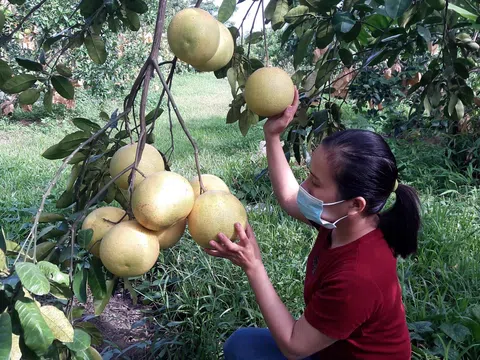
(365, 166)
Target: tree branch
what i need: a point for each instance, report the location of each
(8, 37)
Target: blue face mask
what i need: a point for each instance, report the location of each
(312, 208)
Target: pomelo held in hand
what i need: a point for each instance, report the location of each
(129, 249)
(224, 51)
(215, 212)
(162, 199)
(150, 163)
(95, 221)
(210, 182)
(269, 91)
(193, 36)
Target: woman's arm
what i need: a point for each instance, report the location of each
(284, 184)
(295, 338)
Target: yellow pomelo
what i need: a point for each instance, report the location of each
(224, 51)
(151, 162)
(215, 212)
(95, 221)
(210, 182)
(162, 199)
(269, 91)
(129, 249)
(193, 36)
(94, 354)
(170, 236)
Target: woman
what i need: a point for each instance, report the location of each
(352, 294)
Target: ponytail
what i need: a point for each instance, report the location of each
(400, 224)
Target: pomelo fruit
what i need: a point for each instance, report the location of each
(150, 162)
(224, 51)
(170, 236)
(129, 249)
(210, 182)
(269, 91)
(193, 36)
(162, 199)
(215, 212)
(95, 221)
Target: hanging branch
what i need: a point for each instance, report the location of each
(265, 45)
(7, 38)
(182, 123)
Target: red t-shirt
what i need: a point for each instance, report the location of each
(352, 293)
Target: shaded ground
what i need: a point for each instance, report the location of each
(116, 321)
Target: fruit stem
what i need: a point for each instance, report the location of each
(182, 123)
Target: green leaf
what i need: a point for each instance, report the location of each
(36, 333)
(48, 100)
(324, 72)
(42, 250)
(461, 69)
(99, 304)
(346, 56)
(150, 117)
(96, 279)
(457, 332)
(232, 80)
(343, 22)
(65, 200)
(226, 10)
(324, 5)
(80, 285)
(92, 330)
(5, 72)
(270, 10)
(133, 20)
(296, 13)
(18, 83)
(84, 237)
(3, 244)
(424, 33)
(81, 341)
(5, 336)
(96, 47)
(64, 70)
(58, 323)
(139, 6)
(278, 19)
(53, 273)
(65, 147)
(462, 12)
(29, 64)
(302, 47)
(325, 34)
(243, 123)
(376, 21)
(254, 37)
(467, 95)
(85, 124)
(32, 278)
(396, 8)
(63, 86)
(29, 96)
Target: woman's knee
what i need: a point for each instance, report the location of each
(237, 341)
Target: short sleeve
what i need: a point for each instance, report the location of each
(342, 304)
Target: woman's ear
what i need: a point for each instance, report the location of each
(357, 206)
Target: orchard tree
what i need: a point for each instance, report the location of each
(330, 40)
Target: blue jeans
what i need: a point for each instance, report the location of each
(252, 344)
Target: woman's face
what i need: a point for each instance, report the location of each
(321, 184)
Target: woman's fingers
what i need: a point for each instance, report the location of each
(227, 243)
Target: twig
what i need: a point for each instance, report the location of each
(253, 25)
(265, 45)
(8, 37)
(182, 123)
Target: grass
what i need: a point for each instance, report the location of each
(196, 301)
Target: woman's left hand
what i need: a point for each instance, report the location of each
(244, 253)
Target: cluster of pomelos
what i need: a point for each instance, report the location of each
(198, 39)
(164, 203)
